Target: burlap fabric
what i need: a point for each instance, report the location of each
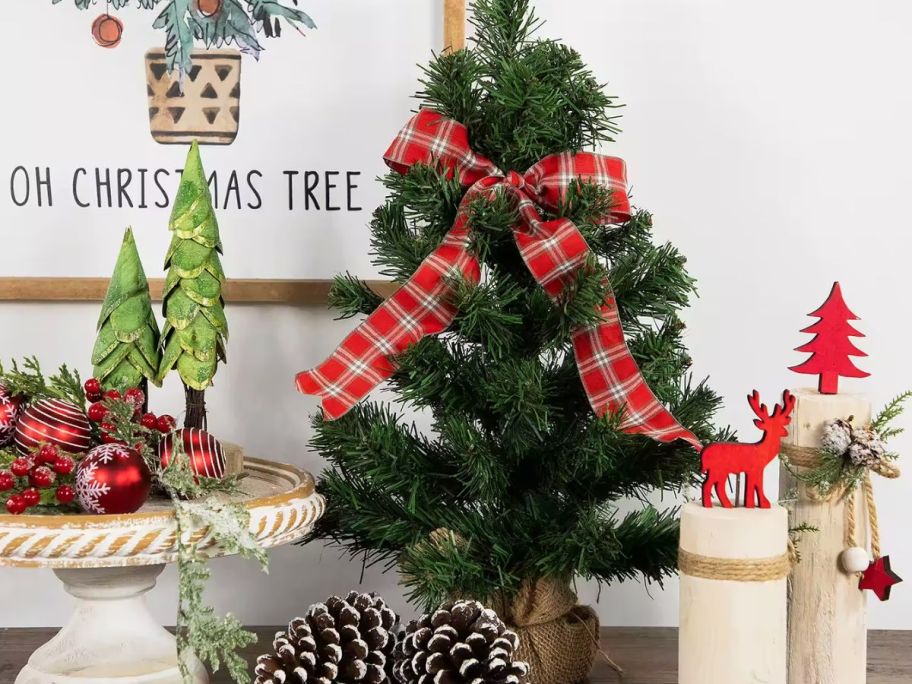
(557, 637)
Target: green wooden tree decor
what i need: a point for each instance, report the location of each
(195, 329)
(126, 352)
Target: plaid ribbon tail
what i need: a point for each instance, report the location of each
(614, 383)
(421, 307)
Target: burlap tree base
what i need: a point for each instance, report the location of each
(557, 637)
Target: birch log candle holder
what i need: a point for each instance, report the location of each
(733, 564)
(827, 630)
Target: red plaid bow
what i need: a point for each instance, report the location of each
(553, 252)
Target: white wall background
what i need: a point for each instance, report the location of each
(771, 141)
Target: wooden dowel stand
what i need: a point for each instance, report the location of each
(827, 630)
(454, 22)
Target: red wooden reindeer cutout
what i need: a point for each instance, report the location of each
(728, 458)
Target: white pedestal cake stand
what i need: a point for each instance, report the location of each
(109, 561)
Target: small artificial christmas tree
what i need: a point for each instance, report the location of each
(195, 329)
(540, 419)
(831, 348)
(126, 352)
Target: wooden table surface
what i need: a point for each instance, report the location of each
(648, 655)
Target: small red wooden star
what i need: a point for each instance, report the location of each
(879, 577)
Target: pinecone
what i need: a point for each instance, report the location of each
(343, 640)
(460, 642)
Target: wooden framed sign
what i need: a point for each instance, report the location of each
(295, 144)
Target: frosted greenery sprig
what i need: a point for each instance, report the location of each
(198, 505)
(214, 640)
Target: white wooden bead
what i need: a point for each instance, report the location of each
(854, 559)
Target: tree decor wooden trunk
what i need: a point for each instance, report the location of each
(205, 106)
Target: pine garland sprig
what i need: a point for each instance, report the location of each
(351, 296)
(30, 381)
(893, 409)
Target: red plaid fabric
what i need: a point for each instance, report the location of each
(552, 250)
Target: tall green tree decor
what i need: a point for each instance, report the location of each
(516, 482)
(195, 330)
(126, 352)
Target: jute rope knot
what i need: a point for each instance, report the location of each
(735, 569)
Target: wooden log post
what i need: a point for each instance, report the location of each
(827, 630)
(733, 564)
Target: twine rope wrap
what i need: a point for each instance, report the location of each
(735, 569)
(809, 457)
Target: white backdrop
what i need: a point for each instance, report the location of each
(770, 142)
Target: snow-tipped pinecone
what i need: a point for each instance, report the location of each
(837, 436)
(461, 642)
(343, 640)
(867, 448)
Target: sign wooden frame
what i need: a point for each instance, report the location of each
(248, 291)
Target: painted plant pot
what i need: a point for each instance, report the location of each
(205, 107)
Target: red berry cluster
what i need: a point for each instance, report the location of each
(46, 468)
(98, 411)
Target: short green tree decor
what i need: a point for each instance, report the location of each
(195, 329)
(126, 352)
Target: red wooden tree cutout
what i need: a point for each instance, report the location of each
(728, 458)
(831, 348)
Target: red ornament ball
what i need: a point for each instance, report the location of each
(10, 410)
(208, 8)
(112, 479)
(53, 421)
(107, 30)
(205, 452)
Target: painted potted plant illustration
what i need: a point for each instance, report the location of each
(194, 93)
